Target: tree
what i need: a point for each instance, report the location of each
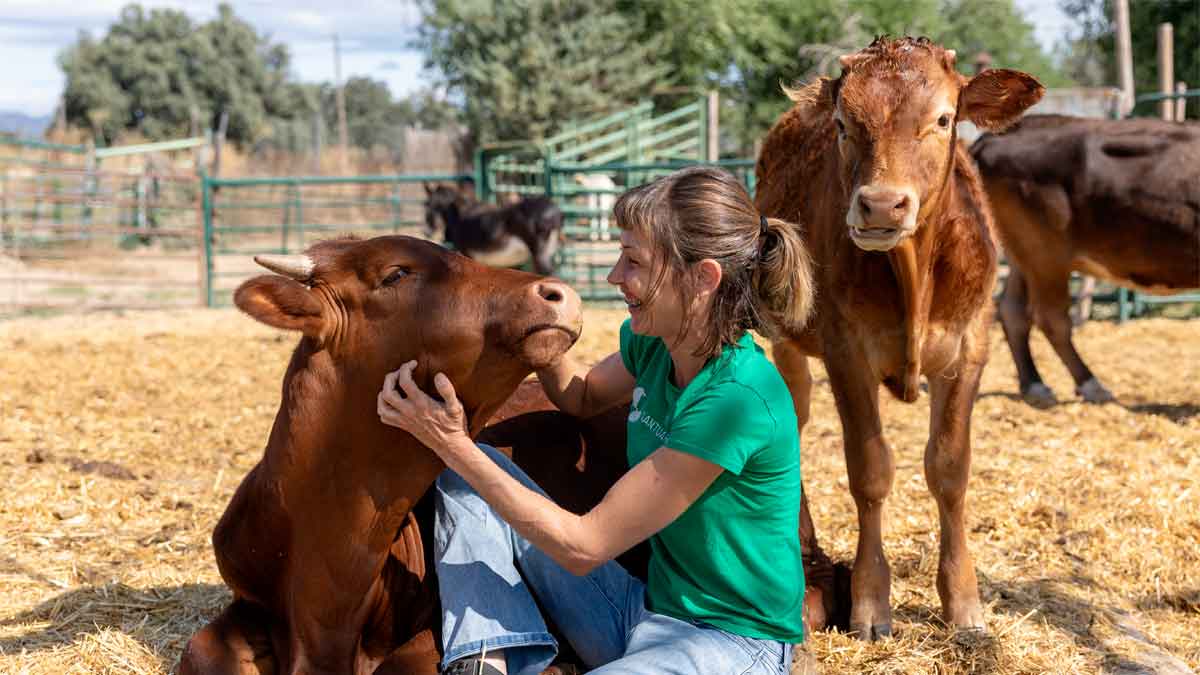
(153, 68)
(746, 48)
(521, 70)
(1090, 55)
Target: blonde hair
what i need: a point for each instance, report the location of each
(704, 212)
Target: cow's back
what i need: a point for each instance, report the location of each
(1119, 199)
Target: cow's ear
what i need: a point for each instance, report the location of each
(281, 302)
(820, 94)
(995, 98)
(428, 190)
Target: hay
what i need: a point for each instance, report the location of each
(123, 436)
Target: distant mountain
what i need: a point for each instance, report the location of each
(24, 125)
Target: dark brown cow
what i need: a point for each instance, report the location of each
(319, 544)
(893, 212)
(1115, 199)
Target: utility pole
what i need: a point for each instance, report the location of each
(1124, 56)
(341, 103)
(714, 126)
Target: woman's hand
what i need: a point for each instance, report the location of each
(440, 426)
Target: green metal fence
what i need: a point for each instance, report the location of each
(591, 251)
(244, 217)
(632, 136)
(75, 237)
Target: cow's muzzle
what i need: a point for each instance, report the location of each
(880, 216)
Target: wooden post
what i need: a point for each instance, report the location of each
(714, 126)
(1181, 102)
(341, 104)
(1124, 56)
(1166, 69)
(318, 125)
(219, 143)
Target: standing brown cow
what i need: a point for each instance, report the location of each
(1116, 199)
(894, 214)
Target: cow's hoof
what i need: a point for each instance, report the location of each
(1094, 392)
(873, 633)
(1039, 395)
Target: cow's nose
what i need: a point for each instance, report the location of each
(560, 297)
(883, 203)
(883, 207)
(552, 291)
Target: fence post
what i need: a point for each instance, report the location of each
(482, 189)
(287, 221)
(1123, 305)
(1166, 69)
(298, 209)
(712, 124)
(89, 187)
(394, 204)
(206, 286)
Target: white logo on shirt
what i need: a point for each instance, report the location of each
(634, 413)
(646, 420)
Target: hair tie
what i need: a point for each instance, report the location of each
(762, 226)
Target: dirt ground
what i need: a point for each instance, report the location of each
(124, 435)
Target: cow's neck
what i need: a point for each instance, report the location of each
(912, 262)
(328, 439)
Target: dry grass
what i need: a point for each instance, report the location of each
(123, 437)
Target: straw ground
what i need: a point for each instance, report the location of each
(122, 437)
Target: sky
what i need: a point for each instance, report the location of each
(373, 35)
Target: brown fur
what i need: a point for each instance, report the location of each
(1117, 199)
(888, 317)
(320, 543)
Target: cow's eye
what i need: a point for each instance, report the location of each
(944, 121)
(841, 127)
(396, 275)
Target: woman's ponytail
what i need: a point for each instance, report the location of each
(783, 280)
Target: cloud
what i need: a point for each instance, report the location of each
(390, 64)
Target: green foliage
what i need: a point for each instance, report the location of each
(1090, 55)
(153, 68)
(523, 69)
(746, 48)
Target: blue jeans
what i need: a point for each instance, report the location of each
(488, 576)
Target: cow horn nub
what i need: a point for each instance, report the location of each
(298, 267)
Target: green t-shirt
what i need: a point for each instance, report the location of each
(732, 559)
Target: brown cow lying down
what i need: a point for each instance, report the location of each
(319, 544)
(1115, 199)
(892, 209)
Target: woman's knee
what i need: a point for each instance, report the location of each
(452, 483)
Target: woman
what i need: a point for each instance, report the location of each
(713, 448)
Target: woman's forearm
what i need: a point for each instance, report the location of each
(558, 533)
(565, 384)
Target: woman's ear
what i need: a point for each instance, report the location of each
(707, 276)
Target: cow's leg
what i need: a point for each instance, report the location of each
(1051, 299)
(947, 468)
(234, 643)
(820, 597)
(871, 469)
(1017, 320)
(418, 656)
